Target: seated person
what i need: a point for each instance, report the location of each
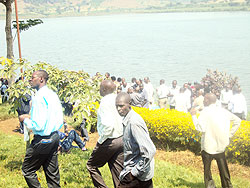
(66, 144)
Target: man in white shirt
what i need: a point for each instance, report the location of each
(109, 147)
(162, 92)
(149, 89)
(174, 90)
(214, 123)
(225, 96)
(182, 102)
(237, 104)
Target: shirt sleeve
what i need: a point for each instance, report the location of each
(39, 114)
(106, 121)
(146, 147)
(236, 124)
(200, 124)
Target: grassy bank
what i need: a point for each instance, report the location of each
(4, 112)
(74, 173)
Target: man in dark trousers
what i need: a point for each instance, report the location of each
(45, 120)
(214, 123)
(139, 150)
(109, 147)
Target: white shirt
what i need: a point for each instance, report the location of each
(150, 91)
(182, 102)
(238, 104)
(109, 122)
(226, 96)
(173, 91)
(214, 123)
(162, 91)
(125, 89)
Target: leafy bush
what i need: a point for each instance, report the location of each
(75, 88)
(174, 130)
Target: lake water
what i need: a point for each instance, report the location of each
(168, 46)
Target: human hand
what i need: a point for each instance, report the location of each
(131, 176)
(193, 111)
(22, 117)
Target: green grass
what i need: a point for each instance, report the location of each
(73, 170)
(4, 111)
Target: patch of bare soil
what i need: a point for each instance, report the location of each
(182, 158)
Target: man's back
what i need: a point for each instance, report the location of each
(215, 125)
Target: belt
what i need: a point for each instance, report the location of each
(47, 136)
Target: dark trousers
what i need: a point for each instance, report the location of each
(42, 152)
(111, 152)
(67, 142)
(240, 115)
(223, 169)
(128, 182)
(171, 107)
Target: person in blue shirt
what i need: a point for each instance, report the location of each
(69, 138)
(45, 119)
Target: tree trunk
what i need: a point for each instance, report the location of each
(8, 30)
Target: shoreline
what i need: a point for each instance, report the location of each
(132, 11)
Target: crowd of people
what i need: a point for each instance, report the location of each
(181, 98)
(124, 142)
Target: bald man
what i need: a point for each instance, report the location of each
(139, 150)
(214, 123)
(109, 147)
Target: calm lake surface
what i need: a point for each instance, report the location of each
(168, 46)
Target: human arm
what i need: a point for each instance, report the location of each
(200, 124)
(236, 124)
(39, 115)
(146, 148)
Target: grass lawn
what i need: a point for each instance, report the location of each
(74, 173)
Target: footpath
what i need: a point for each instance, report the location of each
(182, 158)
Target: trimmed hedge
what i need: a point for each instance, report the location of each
(174, 130)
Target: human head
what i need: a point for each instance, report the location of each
(146, 80)
(209, 98)
(174, 83)
(113, 78)
(235, 89)
(124, 84)
(138, 82)
(123, 80)
(107, 87)
(185, 85)
(123, 103)
(130, 90)
(107, 75)
(141, 87)
(39, 79)
(133, 80)
(119, 79)
(162, 81)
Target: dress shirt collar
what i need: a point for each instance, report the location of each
(127, 117)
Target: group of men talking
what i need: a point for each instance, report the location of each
(124, 142)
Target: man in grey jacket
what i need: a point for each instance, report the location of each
(139, 150)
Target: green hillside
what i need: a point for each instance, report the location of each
(49, 8)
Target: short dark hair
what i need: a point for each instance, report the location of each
(43, 74)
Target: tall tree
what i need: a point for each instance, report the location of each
(8, 31)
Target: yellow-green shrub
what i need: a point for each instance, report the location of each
(175, 130)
